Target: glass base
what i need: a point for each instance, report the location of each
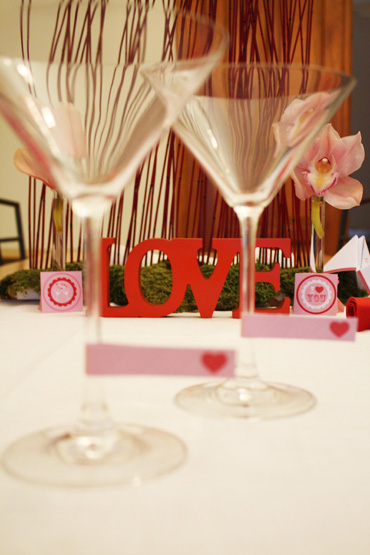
(128, 454)
(253, 400)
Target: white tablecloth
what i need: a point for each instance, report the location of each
(295, 486)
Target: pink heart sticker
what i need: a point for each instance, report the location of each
(214, 362)
(339, 328)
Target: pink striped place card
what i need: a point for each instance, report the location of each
(109, 359)
(299, 327)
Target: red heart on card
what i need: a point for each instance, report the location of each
(339, 328)
(214, 362)
(319, 288)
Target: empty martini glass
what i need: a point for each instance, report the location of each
(88, 121)
(248, 126)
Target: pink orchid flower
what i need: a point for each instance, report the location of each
(65, 127)
(299, 119)
(324, 169)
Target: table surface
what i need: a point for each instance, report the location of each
(294, 486)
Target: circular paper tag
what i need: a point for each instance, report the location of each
(62, 292)
(316, 294)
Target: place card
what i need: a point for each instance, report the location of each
(112, 359)
(315, 294)
(299, 327)
(61, 292)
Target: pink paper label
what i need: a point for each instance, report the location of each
(108, 359)
(61, 291)
(315, 294)
(299, 327)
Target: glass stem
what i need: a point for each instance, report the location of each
(248, 219)
(94, 416)
(317, 234)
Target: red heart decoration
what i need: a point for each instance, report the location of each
(214, 362)
(319, 288)
(339, 328)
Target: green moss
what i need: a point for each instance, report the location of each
(156, 284)
(74, 266)
(116, 281)
(348, 287)
(19, 282)
(229, 297)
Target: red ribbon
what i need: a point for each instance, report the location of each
(359, 307)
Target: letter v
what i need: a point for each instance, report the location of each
(207, 291)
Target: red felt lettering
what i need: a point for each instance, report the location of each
(182, 254)
(138, 305)
(207, 291)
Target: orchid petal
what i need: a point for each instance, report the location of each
(301, 190)
(327, 139)
(310, 155)
(299, 118)
(349, 154)
(346, 194)
(321, 147)
(25, 162)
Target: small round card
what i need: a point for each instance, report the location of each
(315, 294)
(61, 292)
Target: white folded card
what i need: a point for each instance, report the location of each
(353, 256)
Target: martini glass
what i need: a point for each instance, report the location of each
(248, 126)
(89, 120)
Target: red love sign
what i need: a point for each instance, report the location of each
(183, 257)
(319, 289)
